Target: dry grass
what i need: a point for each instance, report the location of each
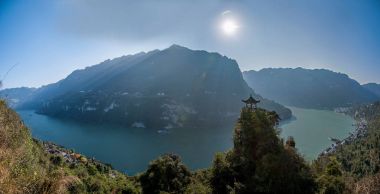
(368, 185)
(20, 168)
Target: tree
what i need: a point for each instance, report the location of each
(331, 180)
(290, 143)
(259, 162)
(222, 174)
(166, 174)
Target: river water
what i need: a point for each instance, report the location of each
(130, 150)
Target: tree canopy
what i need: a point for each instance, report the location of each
(259, 162)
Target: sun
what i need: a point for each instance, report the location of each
(229, 27)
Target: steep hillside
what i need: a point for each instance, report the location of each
(373, 87)
(306, 88)
(20, 169)
(359, 154)
(175, 87)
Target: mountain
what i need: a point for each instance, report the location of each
(15, 96)
(174, 87)
(373, 87)
(318, 88)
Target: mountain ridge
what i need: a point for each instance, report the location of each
(373, 87)
(176, 86)
(308, 88)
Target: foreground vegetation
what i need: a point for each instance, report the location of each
(359, 160)
(259, 162)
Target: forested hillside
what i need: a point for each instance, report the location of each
(360, 158)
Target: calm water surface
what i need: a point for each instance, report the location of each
(130, 150)
(311, 129)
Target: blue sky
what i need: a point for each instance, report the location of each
(49, 39)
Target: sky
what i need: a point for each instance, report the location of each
(48, 39)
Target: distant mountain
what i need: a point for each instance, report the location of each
(373, 87)
(16, 96)
(83, 80)
(174, 87)
(318, 88)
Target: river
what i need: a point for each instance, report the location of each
(130, 150)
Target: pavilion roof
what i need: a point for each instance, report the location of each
(251, 100)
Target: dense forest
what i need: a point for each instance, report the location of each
(259, 162)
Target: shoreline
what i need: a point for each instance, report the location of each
(59, 153)
(360, 131)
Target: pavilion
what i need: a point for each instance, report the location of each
(251, 102)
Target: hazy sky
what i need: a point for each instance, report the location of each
(49, 39)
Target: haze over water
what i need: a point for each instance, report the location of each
(130, 150)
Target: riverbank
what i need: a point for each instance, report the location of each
(59, 154)
(312, 128)
(359, 132)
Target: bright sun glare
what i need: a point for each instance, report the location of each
(229, 27)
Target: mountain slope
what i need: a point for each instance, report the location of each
(16, 96)
(83, 80)
(373, 87)
(19, 154)
(300, 87)
(175, 87)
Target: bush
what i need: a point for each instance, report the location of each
(56, 160)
